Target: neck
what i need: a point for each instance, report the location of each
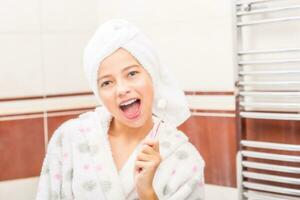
(130, 133)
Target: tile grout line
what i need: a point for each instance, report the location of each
(45, 117)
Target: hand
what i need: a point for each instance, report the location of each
(146, 164)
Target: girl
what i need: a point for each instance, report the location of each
(128, 148)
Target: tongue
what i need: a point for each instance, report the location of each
(131, 110)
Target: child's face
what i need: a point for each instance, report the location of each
(120, 79)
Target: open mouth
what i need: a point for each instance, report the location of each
(131, 108)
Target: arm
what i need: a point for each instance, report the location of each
(51, 177)
(187, 180)
(192, 189)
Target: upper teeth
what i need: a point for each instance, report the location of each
(128, 102)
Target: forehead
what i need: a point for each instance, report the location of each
(117, 61)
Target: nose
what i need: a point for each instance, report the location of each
(122, 89)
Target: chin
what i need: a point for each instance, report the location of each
(135, 123)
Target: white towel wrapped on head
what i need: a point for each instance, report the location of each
(169, 100)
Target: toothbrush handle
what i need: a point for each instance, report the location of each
(153, 134)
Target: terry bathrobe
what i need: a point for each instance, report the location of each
(79, 164)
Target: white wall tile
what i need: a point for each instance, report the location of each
(212, 102)
(49, 104)
(26, 188)
(61, 103)
(22, 106)
(216, 192)
(62, 55)
(167, 10)
(69, 15)
(199, 54)
(20, 65)
(19, 16)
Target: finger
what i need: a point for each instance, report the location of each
(150, 141)
(138, 167)
(144, 157)
(144, 165)
(154, 143)
(151, 152)
(156, 146)
(146, 149)
(141, 164)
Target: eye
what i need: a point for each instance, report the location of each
(132, 73)
(105, 83)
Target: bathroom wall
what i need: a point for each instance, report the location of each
(43, 85)
(42, 82)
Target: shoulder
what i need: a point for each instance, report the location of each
(169, 132)
(178, 145)
(63, 130)
(186, 160)
(70, 129)
(191, 153)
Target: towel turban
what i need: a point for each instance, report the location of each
(170, 103)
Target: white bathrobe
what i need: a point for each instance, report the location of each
(79, 164)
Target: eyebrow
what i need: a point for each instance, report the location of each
(126, 68)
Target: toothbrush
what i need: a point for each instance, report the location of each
(162, 103)
(153, 134)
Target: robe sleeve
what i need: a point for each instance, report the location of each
(187, 181)
(50, 181)
(192, 190)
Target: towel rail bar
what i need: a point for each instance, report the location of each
(268, 51)
(268, 61)
(266, 115)
(267, 10)
(269, 72)
(268, 94)
(268, 21)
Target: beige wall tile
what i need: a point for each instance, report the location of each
(19, 16)
(20, 65)
(69, 15)
(63, 62)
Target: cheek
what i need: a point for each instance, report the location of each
(143, 85)
(149, 89)
(106, 98)
(146, 89)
